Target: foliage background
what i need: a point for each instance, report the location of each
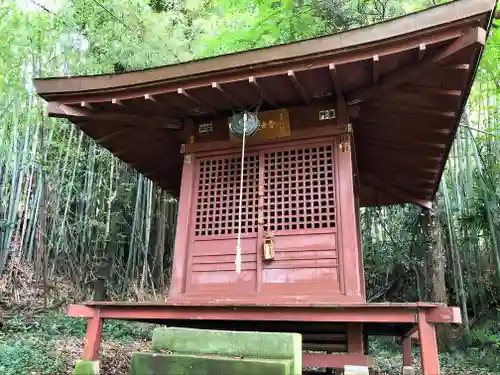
(76, 222)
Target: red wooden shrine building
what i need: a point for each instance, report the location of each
(361, 118)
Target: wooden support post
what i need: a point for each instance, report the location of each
(92, 345)
(407, 354)
(428, 346)
(355, 339)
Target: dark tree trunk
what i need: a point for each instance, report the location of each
(111, 248)
(436, 271)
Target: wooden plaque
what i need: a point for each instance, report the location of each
(273, 124)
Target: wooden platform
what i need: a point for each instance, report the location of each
(333, 335)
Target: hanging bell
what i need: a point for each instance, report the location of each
(236, 125)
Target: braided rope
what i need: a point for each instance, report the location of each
(238, 243)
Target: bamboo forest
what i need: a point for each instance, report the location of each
(76, 223)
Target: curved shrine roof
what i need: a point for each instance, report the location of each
(408, 79)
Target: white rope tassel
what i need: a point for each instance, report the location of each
(238, 244)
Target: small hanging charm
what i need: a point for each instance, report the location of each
(269, 246)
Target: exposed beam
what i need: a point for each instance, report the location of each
(393, 116)
(342, 108)
(150, 98)
(421, 174)
(410, 130)
(450, 315)
(376, 69)
(117, 102)
(401, 179)
(371, 150)
(62, 110)
(412, 108)
(408, 163)
(336, 80)
(417, 188)
(398, 144)
(470, 38)
(229, 98)
(463, 67)
(419, 89)
(298, 86)
(155, 146)
(263, 92)
(199, 102)
(86, 105)
(398, 192)
(112, 135)
(421, 51)
(161, 168)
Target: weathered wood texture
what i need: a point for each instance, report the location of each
(299, 192)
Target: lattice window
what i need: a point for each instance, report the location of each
(218, 195)
(299, 189)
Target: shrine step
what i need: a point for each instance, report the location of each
(158, 364)
(204, 349)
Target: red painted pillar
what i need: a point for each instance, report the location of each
(407, 354)
(428, 346)
(355, 340)
(92, 344)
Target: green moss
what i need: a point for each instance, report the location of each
(84, 367)
(180, 364)
(267, 345)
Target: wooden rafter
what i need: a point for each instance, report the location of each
(342, 108)
(155, 144)
(263, 93)
(413, 108)
(421, 51)
(376, 69)
(431, 147)
(205, 106)
(112, 135)
(409, 129)
(336, 80)
(401, 178)
(470, 38)
(376, 151)
(298, 86)
(418, 89)
(397, 191)
(390, 169)
(392, 116)
(62, 110)
(150, 98)
(229, 98)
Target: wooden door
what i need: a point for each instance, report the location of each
(299, 210)
(302, 195)
(214, 228)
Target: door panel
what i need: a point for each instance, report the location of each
(299, 212)
(296, 206)
(211, 265)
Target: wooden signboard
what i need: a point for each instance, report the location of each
(273, 125)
